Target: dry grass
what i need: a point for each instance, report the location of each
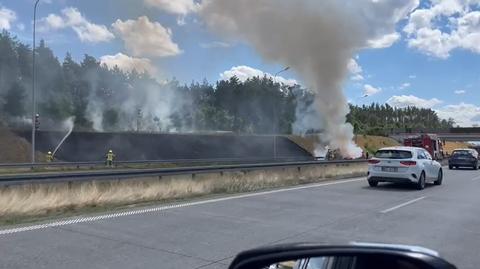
(45, 199)
(451, 146)
(366, 142)
(15, 149)
(372, 143)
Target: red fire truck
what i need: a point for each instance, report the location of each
(430, 142)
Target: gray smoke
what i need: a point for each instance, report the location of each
(316, 39)
(144, 107)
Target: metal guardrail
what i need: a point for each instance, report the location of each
(150, 162)
(121, 174)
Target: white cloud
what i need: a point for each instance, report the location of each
(383, 16)
(354, 67)
(85, 30)
(355, 70)
(127, 63)
(412, 76)
(404, 86)
(21, 26)
(463, 114)
(369, 90)
(460, 92)
(357, 77)
(410, 100)
(7, 16)
(178, 7)
(52, 21)
(215, 44)
(243, 73)
(145, 38)
(384, 41)
(445, 26)
(181, 21)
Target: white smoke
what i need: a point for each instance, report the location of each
(144, 107)
(68, 124)
(145, 103)
(316, 39)
(321, 151)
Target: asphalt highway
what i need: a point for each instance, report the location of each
(208, 233)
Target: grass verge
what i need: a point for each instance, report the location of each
(40, 203)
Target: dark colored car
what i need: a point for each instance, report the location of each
(463, 158)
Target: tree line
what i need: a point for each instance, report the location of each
(383, 119)
(109, 99)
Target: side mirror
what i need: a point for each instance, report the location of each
(353, 256)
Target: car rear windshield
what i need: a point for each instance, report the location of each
(462, 153)
(393, 154)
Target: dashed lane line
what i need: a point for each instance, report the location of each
(402, 205)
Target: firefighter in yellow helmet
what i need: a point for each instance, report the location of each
(110, 158)
(49, 157)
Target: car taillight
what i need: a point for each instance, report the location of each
(373, 161)
(409, 163)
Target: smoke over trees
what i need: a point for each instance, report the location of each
(103, 99)
(316, 39)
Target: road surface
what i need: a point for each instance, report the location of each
(208, 233)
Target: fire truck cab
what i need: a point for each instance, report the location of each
(430, 142)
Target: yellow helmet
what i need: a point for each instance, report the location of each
(110, 151)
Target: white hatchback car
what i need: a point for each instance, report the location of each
(404, 165)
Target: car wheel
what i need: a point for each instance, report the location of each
(475, 167)
(450, 167)
(421, 182)
(439, 178)
(372, 183)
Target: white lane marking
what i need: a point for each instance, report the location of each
(163, 208)
(403, 204)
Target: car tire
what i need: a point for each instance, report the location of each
(475, 167)
(439, 180)
(450, 167)
(372, 183)
(421, 182)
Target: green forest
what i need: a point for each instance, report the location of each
(108, 99)
(377, 119)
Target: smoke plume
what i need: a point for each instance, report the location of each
(316, 39)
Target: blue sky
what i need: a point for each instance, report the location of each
(431, 60)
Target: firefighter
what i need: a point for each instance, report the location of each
(331, 154)
(49, 157)
(110, 158)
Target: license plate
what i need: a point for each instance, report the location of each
(389, 169)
